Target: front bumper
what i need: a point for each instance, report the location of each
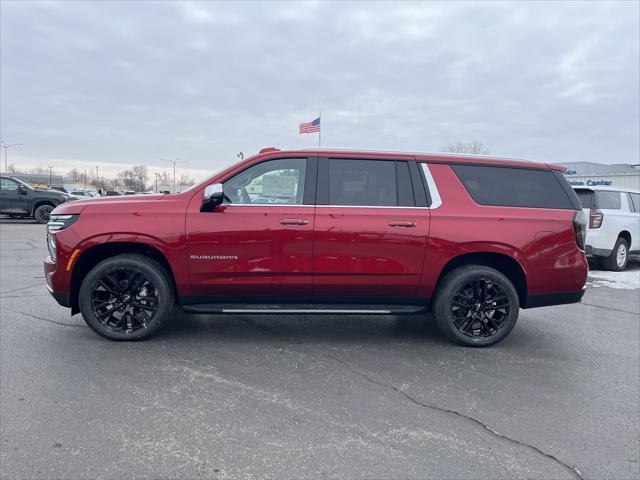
(49, 270)
(61, 298)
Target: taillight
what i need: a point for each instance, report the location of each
(595, 218)
(580, 228)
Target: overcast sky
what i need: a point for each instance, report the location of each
(99, 83)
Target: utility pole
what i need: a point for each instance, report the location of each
(174, 162)
(7, 147)
(50, 170)
(85, 178)
(97, 176)
(156, 174)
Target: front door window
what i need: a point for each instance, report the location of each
(275, 182)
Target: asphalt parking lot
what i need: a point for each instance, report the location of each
(315, 396)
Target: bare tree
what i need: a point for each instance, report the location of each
(185, 181)
(75, 174)
(12, 168)
(474, 147)
(39, 171)
(141, 175)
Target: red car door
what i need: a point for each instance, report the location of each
(258, 243)
(371, 229)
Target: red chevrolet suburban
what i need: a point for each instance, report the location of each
(471, 238)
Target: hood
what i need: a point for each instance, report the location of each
(128, 202)
(44, 192)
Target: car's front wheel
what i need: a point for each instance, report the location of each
(42, 213)
(476, 306)
(126, 297)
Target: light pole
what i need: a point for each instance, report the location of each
(174, 162)
(156, 174)
(50, 170)
(7, 147)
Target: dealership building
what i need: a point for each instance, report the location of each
(598, 174)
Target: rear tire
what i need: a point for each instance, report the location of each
(126, 297)
(476, 306)
(617, 261)
(42, 213)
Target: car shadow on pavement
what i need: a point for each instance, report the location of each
(306, 329)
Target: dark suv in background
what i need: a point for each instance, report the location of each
(18, 200)
(291, 232)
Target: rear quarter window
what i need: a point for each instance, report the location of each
(587, 198)
(608, 200)
(513, 187)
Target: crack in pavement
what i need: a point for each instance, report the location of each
(573, 470)
(608, 308)
(21, 288)
(41, 318)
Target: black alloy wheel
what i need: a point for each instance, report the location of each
(42, 213)
(480, 308)
(124, 300)
(126, 297)
(476, 306)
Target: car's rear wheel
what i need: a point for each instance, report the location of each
(619, 257)
(42, 213)
(126, 297)
(476, 306)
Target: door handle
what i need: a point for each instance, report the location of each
(401, 224)
(294, 221)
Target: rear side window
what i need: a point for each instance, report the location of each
(608, 200)
(362, 182)
(635, 200)
(513, 187)
(587, 198)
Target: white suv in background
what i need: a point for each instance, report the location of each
(614, 223)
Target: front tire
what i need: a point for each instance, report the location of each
(617, 261)
(126, 297)
(476, 306)
(42, 213)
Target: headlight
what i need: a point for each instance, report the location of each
(51, 245)
(60, 222)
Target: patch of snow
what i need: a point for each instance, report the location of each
(629, 279)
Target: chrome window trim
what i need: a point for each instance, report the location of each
(436, 201)
(320, 206)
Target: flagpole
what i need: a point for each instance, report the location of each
(320, 131)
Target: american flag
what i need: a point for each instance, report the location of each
(310, 127)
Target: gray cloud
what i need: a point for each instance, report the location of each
(132, 82)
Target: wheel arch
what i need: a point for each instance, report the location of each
(627, 236)
(505, 264)
(99, 252)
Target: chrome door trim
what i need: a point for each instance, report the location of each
(436, 201)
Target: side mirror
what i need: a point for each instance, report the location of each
(213, 196)
(22, 190)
